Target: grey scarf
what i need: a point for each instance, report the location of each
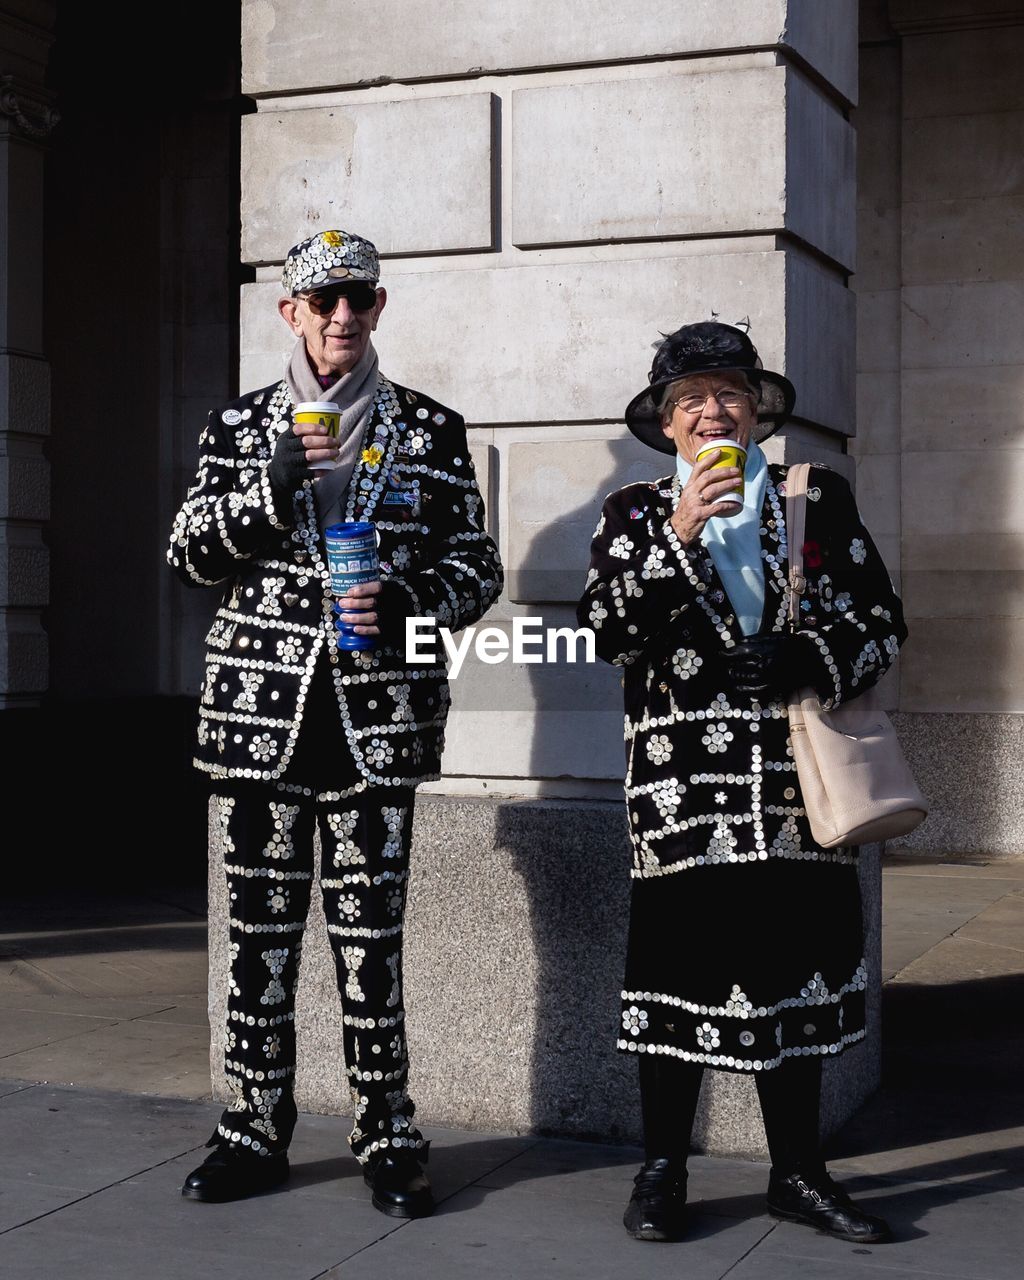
(353, 393)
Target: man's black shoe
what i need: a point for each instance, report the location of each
(232, 1172)
(400, 1187)
(657, 1207)
(819, 1202)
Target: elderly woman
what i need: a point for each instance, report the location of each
(745, 944)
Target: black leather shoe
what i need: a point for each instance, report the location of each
(819, 1202)
(399, 1185)
(657, 1207)
(232, 1172)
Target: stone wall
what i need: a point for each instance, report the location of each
(26, 120)
(939, 445)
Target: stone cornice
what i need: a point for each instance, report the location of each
(30, 113)
(922, 17)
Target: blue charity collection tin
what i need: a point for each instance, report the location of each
(352, 559)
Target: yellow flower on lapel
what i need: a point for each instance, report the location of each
(332, 238)
(372, 455)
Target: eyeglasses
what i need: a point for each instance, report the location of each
(727, 397)
(360, 297)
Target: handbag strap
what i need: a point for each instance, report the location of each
(796, 520)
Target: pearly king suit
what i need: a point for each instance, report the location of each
(293, 731)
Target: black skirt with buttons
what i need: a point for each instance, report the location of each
(741, 965)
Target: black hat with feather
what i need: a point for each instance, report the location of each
(707, 347)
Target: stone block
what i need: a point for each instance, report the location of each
(878, 330)
(604, 172)
(302, 44)
(972, 498)
(878, 493)
(966, 765)
(550, 719)
(413, 176)
(24, 657)
(878, 121)
(879, 242)
(947, 325)
(24, 482)
(819, 141)
(24, 395)
(981, 594)
(963, 157)
(541, 343)
(514, 948)
(964, 665)
(954, 73)
(963, 240)
(24, 567)
(958, 408)
(879, 397)
(485, 464)
(556, 488)
(796, 443)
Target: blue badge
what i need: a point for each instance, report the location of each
(401, 497)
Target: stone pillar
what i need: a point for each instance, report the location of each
(551, 188)
(26, 118)
(939, 375)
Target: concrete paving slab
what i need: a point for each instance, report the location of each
(1000, 925)
(925, 902)
(187, 1011)
(960, 1230)
(86, 1139)
(159, 1058)
(14, 1086)
(151, 1231)
(506, 1235)
(118, 969)
(781, 1266)
(901, 947)
(23, 1200)
(1010, 869)
(571, 1170)
(21, 978)
(116, 1008)
(962, 959)
(23, 1029)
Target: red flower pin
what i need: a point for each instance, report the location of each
(813, 558)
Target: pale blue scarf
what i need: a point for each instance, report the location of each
(734, 542)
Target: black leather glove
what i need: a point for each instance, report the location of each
(772, 665)
(287, 470)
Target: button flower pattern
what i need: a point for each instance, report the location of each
(634, 1020)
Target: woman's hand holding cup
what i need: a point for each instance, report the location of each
(698, 500)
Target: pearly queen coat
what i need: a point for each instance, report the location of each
(746, 938)
(414, 479)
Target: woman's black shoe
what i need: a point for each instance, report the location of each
(657, 1207)
(232, 1172)
(819, 1202)
(400, 1187)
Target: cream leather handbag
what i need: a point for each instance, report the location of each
(857, 786)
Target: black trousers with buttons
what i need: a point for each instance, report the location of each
(267, 836)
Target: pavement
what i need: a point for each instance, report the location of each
(104, 1108)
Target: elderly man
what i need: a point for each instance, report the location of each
(293, 731)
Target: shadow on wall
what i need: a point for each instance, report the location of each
(574, 863)
(574, 857)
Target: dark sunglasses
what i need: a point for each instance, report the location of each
(361, 297)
